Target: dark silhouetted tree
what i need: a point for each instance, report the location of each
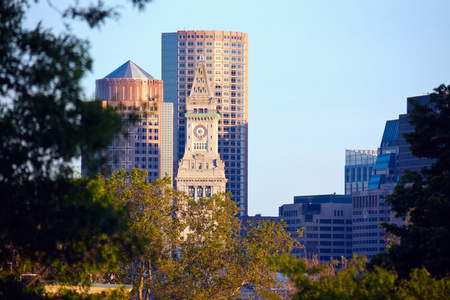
(425, 196)
(50, 222)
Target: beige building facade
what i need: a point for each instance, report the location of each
(226, 57)
(147, 142)
(201, 172)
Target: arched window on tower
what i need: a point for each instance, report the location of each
(199, 192)
(208, 192)
(191, 192)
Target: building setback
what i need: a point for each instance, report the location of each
(226, 60)
(146, 142)
(370, 207)
(358, 169)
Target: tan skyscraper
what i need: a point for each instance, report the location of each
(226, 58)
(201, 172)
(148, 142)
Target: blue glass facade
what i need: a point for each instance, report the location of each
(358, 169)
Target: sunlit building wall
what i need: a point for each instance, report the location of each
(146, 139)
(226, 57)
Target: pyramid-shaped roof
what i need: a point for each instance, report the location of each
(129, 70)
(201, 91)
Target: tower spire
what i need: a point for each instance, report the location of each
(201, 90)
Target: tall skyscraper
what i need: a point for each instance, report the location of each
(226, 61)
(147, 142)
(201, 173)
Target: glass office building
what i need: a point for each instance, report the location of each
(358, 169)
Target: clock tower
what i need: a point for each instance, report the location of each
(201, 173)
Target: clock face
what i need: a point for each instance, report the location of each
(200, 131)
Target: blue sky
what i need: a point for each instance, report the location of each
(324, 76)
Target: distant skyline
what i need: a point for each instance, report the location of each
(324, 76)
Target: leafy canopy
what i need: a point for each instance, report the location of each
(51, 224)
(193, 249)
(425, 196)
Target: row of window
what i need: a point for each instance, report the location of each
(145, 166)
(218, 87)
(369, 249)
(232, 66)
(199, 192)
(362, 242)
(231, 185)
(294, 221)
(366, 212)
(144, 159)
(145, 130)
(328, 236)
(329, 243)
(130, 166)
(334, 228)
(210, 43)
(144, 151)
(236, 178)
(211, 51)
(145, 137)
(367, 234)
(233, 157)
(226, 73)
(365, 220)
(144, 145)
(328, 250)
(234, 165)
(212, 58)
(231, 108)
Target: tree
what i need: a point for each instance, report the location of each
(353, 281)
(193, 249)
(425, 196)
(51, 223)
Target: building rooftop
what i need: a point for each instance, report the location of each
(330, 198)
(129, 70)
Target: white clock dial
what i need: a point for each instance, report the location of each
(200, 131)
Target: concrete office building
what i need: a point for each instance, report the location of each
(132, 91)
(226, 60)
(327, 220)
(358, 169)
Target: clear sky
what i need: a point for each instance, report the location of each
(324, 76)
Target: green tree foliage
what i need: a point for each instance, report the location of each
(193, 249)
(354, 282)
(50, 222)
(425, 196)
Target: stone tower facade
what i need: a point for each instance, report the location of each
(226, 56)
(201, 172)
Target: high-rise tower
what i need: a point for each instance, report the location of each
(148, 141)
(201, 173)
(226, 61)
